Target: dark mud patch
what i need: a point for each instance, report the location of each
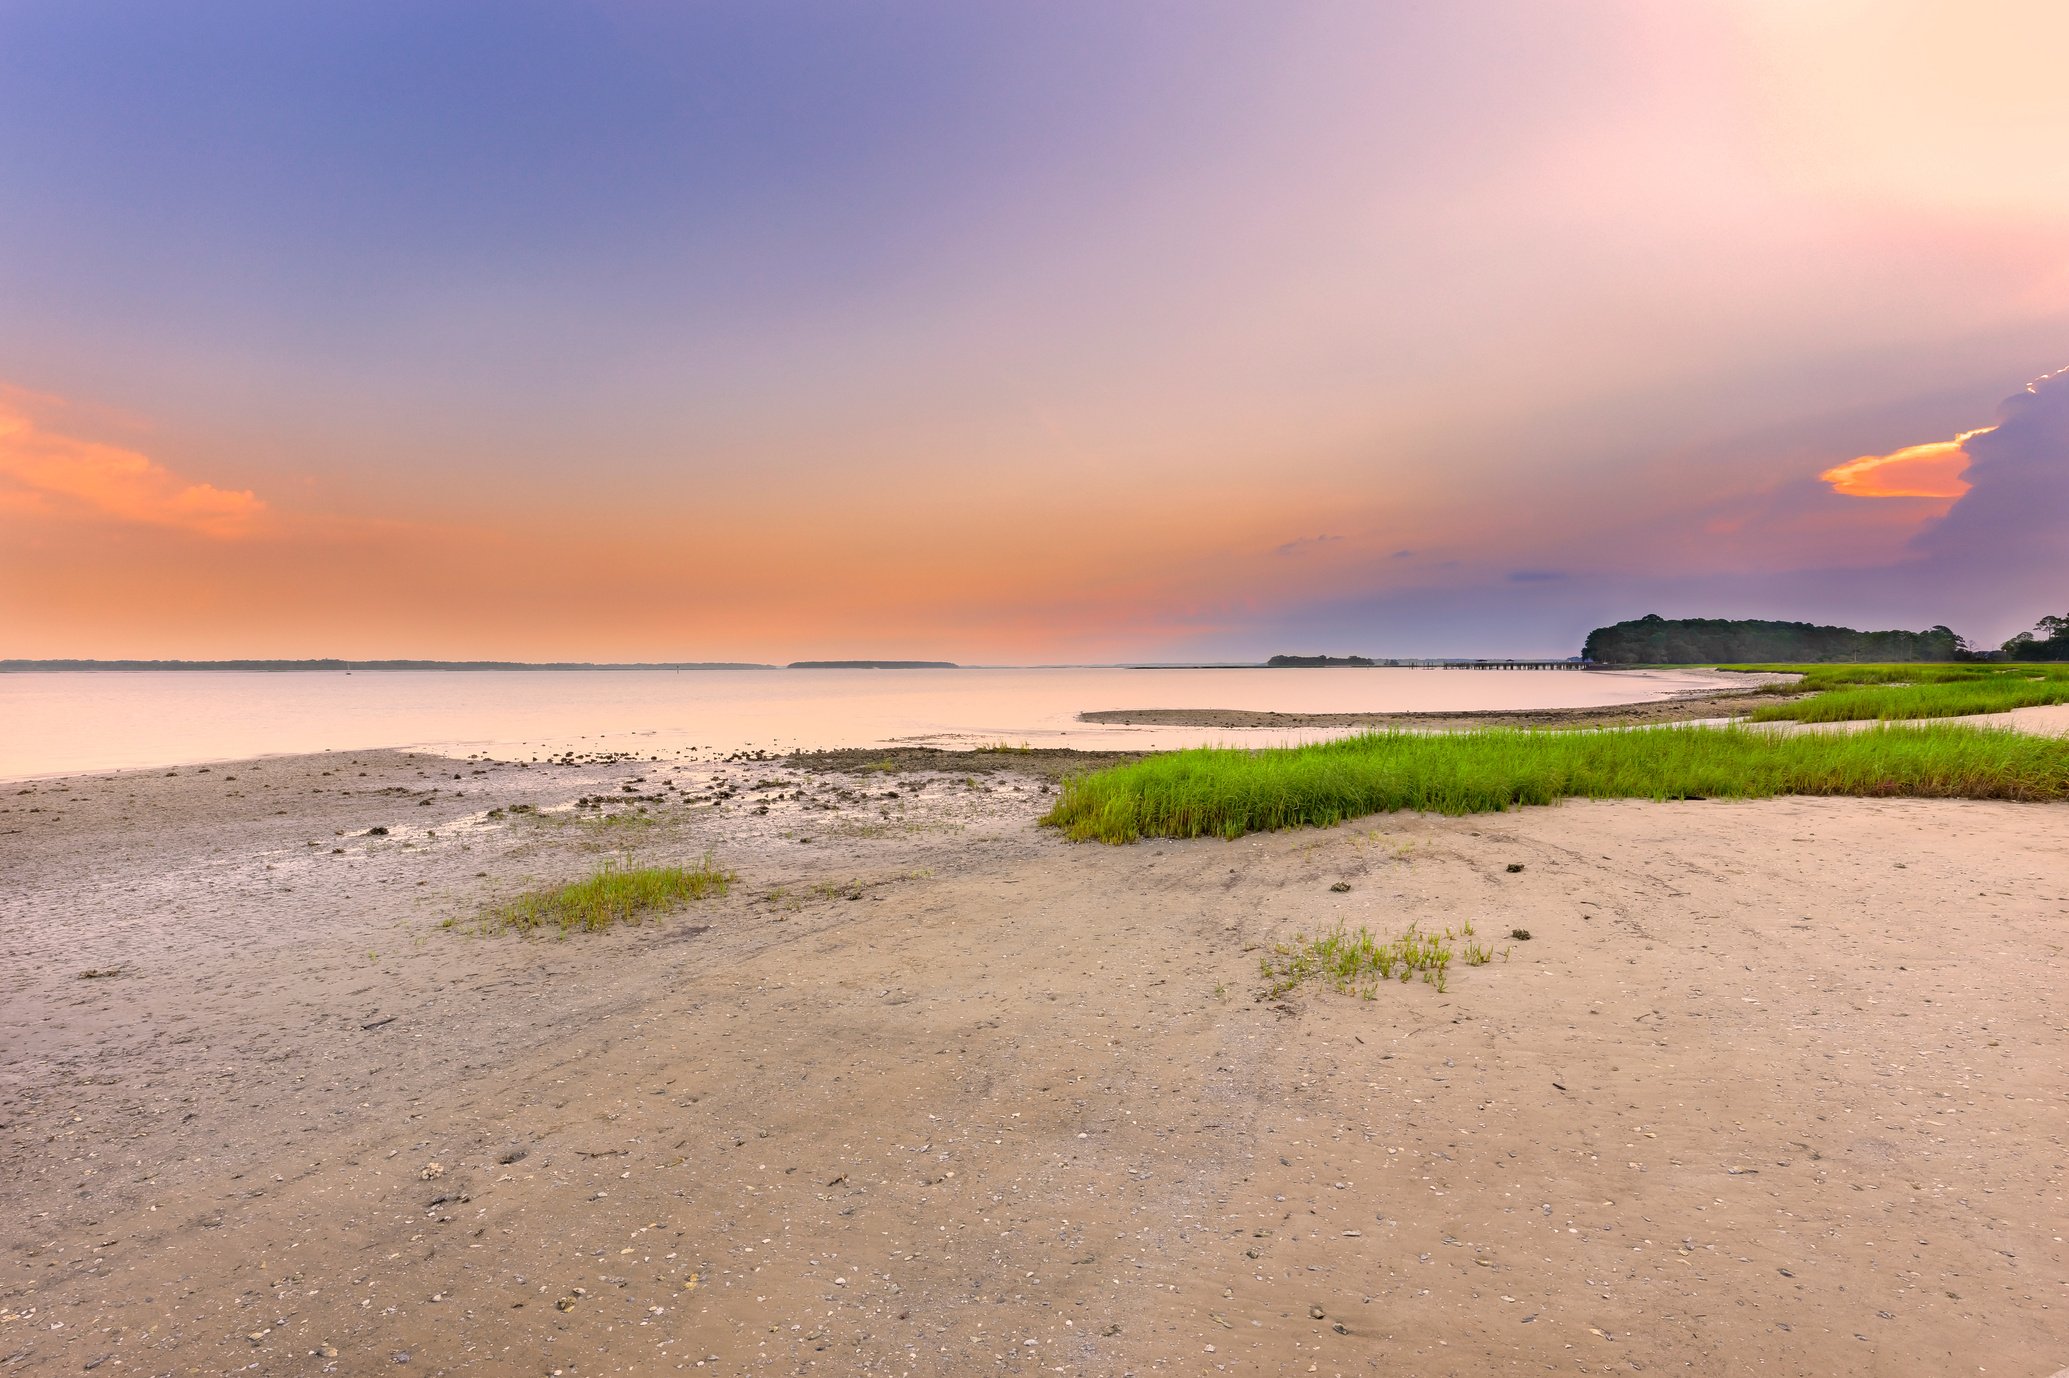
(1041, 763)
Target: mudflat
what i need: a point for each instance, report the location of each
(1773, 1086)
(1746, 691)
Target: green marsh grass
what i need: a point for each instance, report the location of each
(1869, 693)
(1226, 792)
(613, 895)
(1356, 963)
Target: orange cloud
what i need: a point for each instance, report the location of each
(52, 473)
(1917, 471)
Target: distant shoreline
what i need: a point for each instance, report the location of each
(332, 666)
(462, 666)
(349, 666)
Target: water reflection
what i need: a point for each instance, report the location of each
(61, 723)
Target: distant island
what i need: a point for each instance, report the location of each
(874, 665)
(1282, 662)
(297, 666)
(1656, 640)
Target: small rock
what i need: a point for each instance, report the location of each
(1342, 887)
(432, 1171)
(1521, 935)
(1316, 1312)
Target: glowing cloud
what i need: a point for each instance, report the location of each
(53, 472)
(1932, 470)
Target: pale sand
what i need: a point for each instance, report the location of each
(2051, 720)
(1776, 1087)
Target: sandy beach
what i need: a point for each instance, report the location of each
(1774, 1086)
(1116, 691)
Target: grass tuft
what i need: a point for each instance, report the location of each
(613, 895)
(1356, 963)
(1226, 792)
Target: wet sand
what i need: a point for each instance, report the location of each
(1694, 706)
(1773, 1086)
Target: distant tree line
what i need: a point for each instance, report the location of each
(874, 665)
(1305, 662)
(1656, 640)
(2049, 640)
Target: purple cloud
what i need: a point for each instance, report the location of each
(2015, 517)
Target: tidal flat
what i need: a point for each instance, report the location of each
(1772, 1084)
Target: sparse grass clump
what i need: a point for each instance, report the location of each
(1226, 792)
(837, 890)
(1356, 963)
(613, 895)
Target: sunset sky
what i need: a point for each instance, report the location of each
(1024, 332)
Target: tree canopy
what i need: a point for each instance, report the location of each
(2049, 640)
(1656, 640)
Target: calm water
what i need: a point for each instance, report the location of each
(61, 723)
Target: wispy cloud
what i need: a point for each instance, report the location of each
(1304, 544)
(54, 474)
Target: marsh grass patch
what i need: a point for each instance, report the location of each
(1355, 962)
(1226, 792)
(1890, 693)
(615, 894)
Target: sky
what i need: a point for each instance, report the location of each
(1024, 333)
